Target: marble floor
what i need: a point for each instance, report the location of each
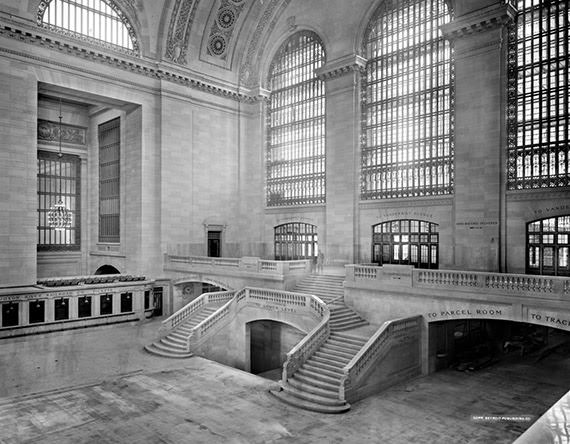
(98, 386)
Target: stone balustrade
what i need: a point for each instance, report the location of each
(390, 334)
(473, 281)
(246, 264)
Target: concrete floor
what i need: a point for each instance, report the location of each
(98, 386)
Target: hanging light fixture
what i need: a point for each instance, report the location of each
(59, 216)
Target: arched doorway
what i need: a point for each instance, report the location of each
(407, 242)
(107, 269)
(296, 241)
(268, 343)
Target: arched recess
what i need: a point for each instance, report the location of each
(107, 269)
(407, 242)
(295, 240)
(548, 246)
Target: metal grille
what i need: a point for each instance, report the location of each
(296, 124)
(58, 179)
(548, 246)
(109, 181)
(407, 102)
(408, 242)
(538, 114)
(296, 241)
(93, 20)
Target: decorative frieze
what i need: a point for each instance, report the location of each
(481, 20)
(48, 132)
(179, 30)
(223, 27)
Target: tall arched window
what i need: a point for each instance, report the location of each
(548, 246)
(538, 117)
(296, 123)
(407, 102)
(97, 21)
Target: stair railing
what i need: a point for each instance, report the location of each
(310, 343)
(375, 349)
(176, 319)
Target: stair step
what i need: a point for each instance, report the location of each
(308, 405)
(348, 326)
(352, 337)
(332, 356)
(317, 376)
(322, 371)
(308, 387)
(323, 366)
(175, 341)
(176, 334)
(312, 397)
(159, 352)
(327, 362)
(349, 347)
(344, 317)
(172, 348)
(309, 380)
(333, 349)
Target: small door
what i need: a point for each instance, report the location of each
(157, 301)
(214, 243)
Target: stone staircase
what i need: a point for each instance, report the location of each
(330, 290)
(174, 344)
(315, 386)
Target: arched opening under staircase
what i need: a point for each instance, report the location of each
(267, 345)
(106, 269)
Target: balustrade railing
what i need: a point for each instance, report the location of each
(259, 298)
(465, 280)
(379, 344)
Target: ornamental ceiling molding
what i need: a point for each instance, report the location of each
(223, 27)
(481, 20)
(179, 29)
(154, 71)
(249, 75)
(342, 66)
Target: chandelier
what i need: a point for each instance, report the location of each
(59, 216)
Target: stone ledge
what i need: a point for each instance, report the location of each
(481, 20)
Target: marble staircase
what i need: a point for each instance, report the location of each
(315, 386)
(174, 345)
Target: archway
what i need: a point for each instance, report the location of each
(107, 269)
(267, 344)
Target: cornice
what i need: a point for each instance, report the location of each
(481, 20)
(122, 61)
(341, 66)
(539, 194)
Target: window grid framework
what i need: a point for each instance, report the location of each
(408, 102)
(538, 93)
(295, 156)
(58, 178)
(109, 181)
(405, 241)
(295, 241)
(96, 21)
(548, 246)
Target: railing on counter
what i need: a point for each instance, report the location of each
(476, 281)
(247, 264)
(378, 346)
(256, 297)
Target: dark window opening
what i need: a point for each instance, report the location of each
(36, 311)
(84, 307)
(61, 309)
(106, 304)
(126, 302)
(10, 314)
(214, 243)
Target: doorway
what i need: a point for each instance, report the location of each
(214, 243)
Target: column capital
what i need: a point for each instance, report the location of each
(481, 20)
(341, 66)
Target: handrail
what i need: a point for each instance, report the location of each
(376, 347)
(256, 296)
(185, 312)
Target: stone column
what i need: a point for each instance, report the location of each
(342, 78)
(480, 68)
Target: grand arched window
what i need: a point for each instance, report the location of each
(407, 242)
(97, 21)
(296, 241)
(295, 156)
(548, 245)
(538, 117)
(407, 102)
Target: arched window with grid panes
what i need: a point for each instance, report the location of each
(407, 102)
(548, 246)
(295, 155)
(538, 93)
(97, 21)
